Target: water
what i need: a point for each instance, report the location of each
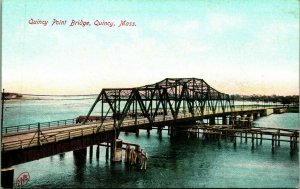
(184, 162)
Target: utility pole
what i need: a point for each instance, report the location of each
(2, 106)
(243, 102)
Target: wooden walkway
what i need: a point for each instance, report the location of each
(40, 136)
(276, 135)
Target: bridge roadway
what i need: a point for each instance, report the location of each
(18, 143)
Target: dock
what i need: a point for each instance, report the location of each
(276, 135)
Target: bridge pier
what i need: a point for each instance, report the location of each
(7, 177)
(212, 121)
(172, 131)
(232, 120)
(107, 151)
(115, 150)
(97, 152)
(91, 151)
(137, 132)
(80, 152)
(159, 130)
(224, 120)
(112, 150)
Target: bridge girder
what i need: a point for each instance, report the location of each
(167, 97)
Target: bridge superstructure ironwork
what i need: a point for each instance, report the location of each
(167, 97)
(172, 102)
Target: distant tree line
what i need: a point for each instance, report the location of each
(293, 99)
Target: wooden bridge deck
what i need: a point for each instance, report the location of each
(30, 138)
(276, 135)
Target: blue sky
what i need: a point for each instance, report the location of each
(245, 47)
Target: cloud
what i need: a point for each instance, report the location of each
(219, 22)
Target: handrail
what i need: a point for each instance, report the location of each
(51, 124)
(34, 126)
(53, 136)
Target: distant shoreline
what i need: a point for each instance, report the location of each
(27, 99)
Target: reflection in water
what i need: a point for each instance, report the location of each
(97, 153)
(61, 156)
(91, 154)
(80, 163)
(183, 161)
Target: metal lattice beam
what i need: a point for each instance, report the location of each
(167, 97)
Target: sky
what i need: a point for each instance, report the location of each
(237, 46)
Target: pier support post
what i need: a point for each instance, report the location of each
(296, 143)
(107, 151)
(91, 151)
(246, 137)
(224, 120)
(173, 131)
(232, 120)
(256, 134)
(252, 139)
(234, 140)
(97, 152)
(118, 150)
(7, 177)
(80, 152)
(127, 154)
(112, 151)
(291, 144)
(278, 137)
(273, 143)
(251, 118)
(241, 136)
(159, 130)
(212, 121)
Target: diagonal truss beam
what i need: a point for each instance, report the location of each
(149, 101)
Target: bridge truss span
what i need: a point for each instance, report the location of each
(167, 98)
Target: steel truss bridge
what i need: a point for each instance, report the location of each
(169, 97)
(172, 102)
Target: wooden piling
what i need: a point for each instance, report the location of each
(7, 177)
(295, 143)
(91, 151)
(241, 135)
(107, 151)
(256, 135)
(97, 152)
(291, 143)
(260, 137)
(234, 140)
(272, 143)
(252, 137)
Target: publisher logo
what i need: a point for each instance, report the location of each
(22, 179)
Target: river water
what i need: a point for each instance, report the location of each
(178, 163)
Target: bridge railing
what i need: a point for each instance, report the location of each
(34, 126)
(52, 136)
